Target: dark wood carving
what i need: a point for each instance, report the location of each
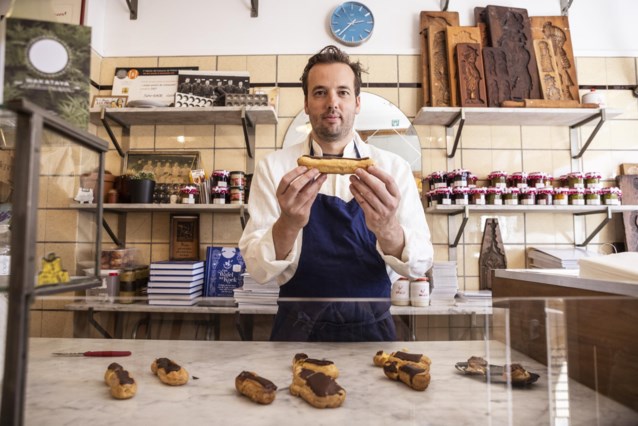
(480, 21)
(492, 254)
(629, 187)
(497, 79)
(555, 29)
(427, 19)
(439, 70)
(547, 70)
(471, 76)
(454, 36)
(509, 28)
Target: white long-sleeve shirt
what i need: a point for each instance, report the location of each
(256, 243)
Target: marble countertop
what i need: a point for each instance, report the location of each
(63, 390)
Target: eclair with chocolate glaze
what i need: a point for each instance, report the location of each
(255, 387)
(317, 389)
(169, 372)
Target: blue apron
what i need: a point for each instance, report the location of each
(338, 260)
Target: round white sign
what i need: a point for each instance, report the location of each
(48, 56)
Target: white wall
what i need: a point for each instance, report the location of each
(224, 27)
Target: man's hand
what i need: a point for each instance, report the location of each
(378, 195)
(295, 194)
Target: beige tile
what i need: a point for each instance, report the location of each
(159, 227)
(476, 137)
(142, 137)
(441, 252)
(138, 227)
(612, 232)
(600, 161)
(230, 159)
(57, 324)
(232, 63)
(265, 136)
(229, 137)
(620, 71)
(547, 228)
(536, 161)
(262, 69)
(207, 159)
(364, 60)
(541, 137)
(471, 255)
(290, 68)
(623, 134)
(291, 101)
(206, 228)
(510, 159)
(166, 137)
(438, 228)
(35, 324)
(61, 225)
(143, 252)
(96, 61)
(205, 63)
(591, 71)
(159, 252)
(61, 190)
(410, 101)
(382, 69)
(410, 69)
(478, 161)
(622, 100)
(561, 162)
(283, 126)
(226, 229)
(390, 94)
(619, 157)
(506, 137)
(198, 137)
(261, 153)
(515, 256)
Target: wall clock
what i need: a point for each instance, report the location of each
(352, 23)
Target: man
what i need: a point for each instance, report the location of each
(334, 236)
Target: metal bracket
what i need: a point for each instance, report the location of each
(254, 8)
(242, 217)
(109, 231)
(132, 7)
(460, 118)
(97, 325)
(444, 5)
(459, 234)
(598, 228)
(603, 117)
(103, 117)
(564, 6)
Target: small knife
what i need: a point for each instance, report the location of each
(94, 353)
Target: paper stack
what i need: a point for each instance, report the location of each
(444, 283)
(253, 294)
(474, 298)
(613, 267)
(175, 283)
(556, 258)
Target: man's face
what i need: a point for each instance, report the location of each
(331, 103)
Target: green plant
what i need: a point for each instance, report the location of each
(142, 175)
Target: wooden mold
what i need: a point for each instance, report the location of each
(480, 21)
(555, 29)
(454, 36)
(547, 70)
(497, 79)
(427, 19)
(629, 186)
(471, 76)
(492, 254)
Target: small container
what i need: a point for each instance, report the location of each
(563, 181)
(219, 194)
(494, 196)
(592, 197)
(220, 178)
(237, 178)
(461, 195)
(400, 292)
(437, 180)
(189, 194)
(517, 180)
(527, 196)
(561, 197)
(498, 179)
(576, 196)
(544, 196)
(113, 286)
(420, 292)
(537, 179)
(592, 180)
(461, 177)
(549, 181)
(510, 196)
(594, 97)
(576, 180)
(112, 196)
(236, 195)
(127, 286)
(431, 199)
(450, 178)
(611, 196)
(477, 196)
(443, 196)
(471, 180)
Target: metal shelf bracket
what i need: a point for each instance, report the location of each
(132, 7)
(605, 221)
(444, 5)
(458, 118)
(603, 117)
(103, 117)
(564, 6)
(459, 234)
(254, 8)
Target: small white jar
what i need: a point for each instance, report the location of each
(400, 293)
(420, 292)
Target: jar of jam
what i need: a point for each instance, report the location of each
(477, 196)
(544, 196)
(494, 196)
(236, 195)
(450, 178)
(430, 198)
(471, 180)
(437, 180)
(220, 178)
(563, 181)
(576, 180)
(517, 180)
(443, 196)
(498, 179)
(127, 286)
(510, 196)
(237, 178)
(592, 196)
(560, 197)
(220, 194)
(461, 195)
(527, 196)
(460, 178)
(576, 196)
(549, 181)
(592, 180)
(537, 179)
(611, 196)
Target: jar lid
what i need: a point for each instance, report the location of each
(537, 175)
(612, 190)
(220, 190)
(518, 176)
(461, 190)
(576, 191)
(460, 172)
(437, 174)
(590, 191)
(421, 279)
(593, 175)
(443, 191)
(511, 191)
(528, 191)
(237, 172)
(545, 191)
(494, 190)
(220, 172)
(496, 173)
(478, 190)
(575, 175)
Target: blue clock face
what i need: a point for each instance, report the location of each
(351, 23)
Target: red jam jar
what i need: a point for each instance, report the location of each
(498, 179)
(592, 197)
(471, 181)
(450, 179)
(576, 180)
(510, 196)
(611, 196)
(494, 196)
(549, 181)
(576, 196)
(443, 196)
(563, 182)
(560, 197)
(537, 179)
(220, 178)
(430, 198)
(437, 180)
(219, 194)
(527, 196)
(592, 180)
(517, 180)
(461, 195)
(544, 196)
(477, 196)
(461, 178)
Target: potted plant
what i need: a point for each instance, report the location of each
(141, 186)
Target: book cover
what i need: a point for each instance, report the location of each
(209, 88)
(171, 284)
(177, 272)
(177, 264)
(175, 296)
(49, 64)
(224, 269)
(175, 290)
(175, 279)
(174, 302)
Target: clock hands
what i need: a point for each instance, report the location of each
(353, 22)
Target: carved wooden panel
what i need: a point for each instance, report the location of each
(547, 70)
(428, 18)
(471, 76)
(509, 28)
(454, 36)
(492, 254)
(556, 30)
(629, 186)
(480, 21)
(497, 79)
(439, 70)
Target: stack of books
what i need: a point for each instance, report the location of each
(556, 258)
(444, 283)
(176, 282)
(252, 294)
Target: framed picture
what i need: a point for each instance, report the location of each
(168, 166)
(109, 101)
(184, 237)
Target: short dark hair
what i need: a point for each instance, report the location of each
(331, 55)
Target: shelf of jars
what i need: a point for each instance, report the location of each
(172, 208)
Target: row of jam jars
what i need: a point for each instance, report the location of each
(498, 179)
(539, 180)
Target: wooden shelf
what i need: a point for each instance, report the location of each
(172, 208)
(184, 116)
